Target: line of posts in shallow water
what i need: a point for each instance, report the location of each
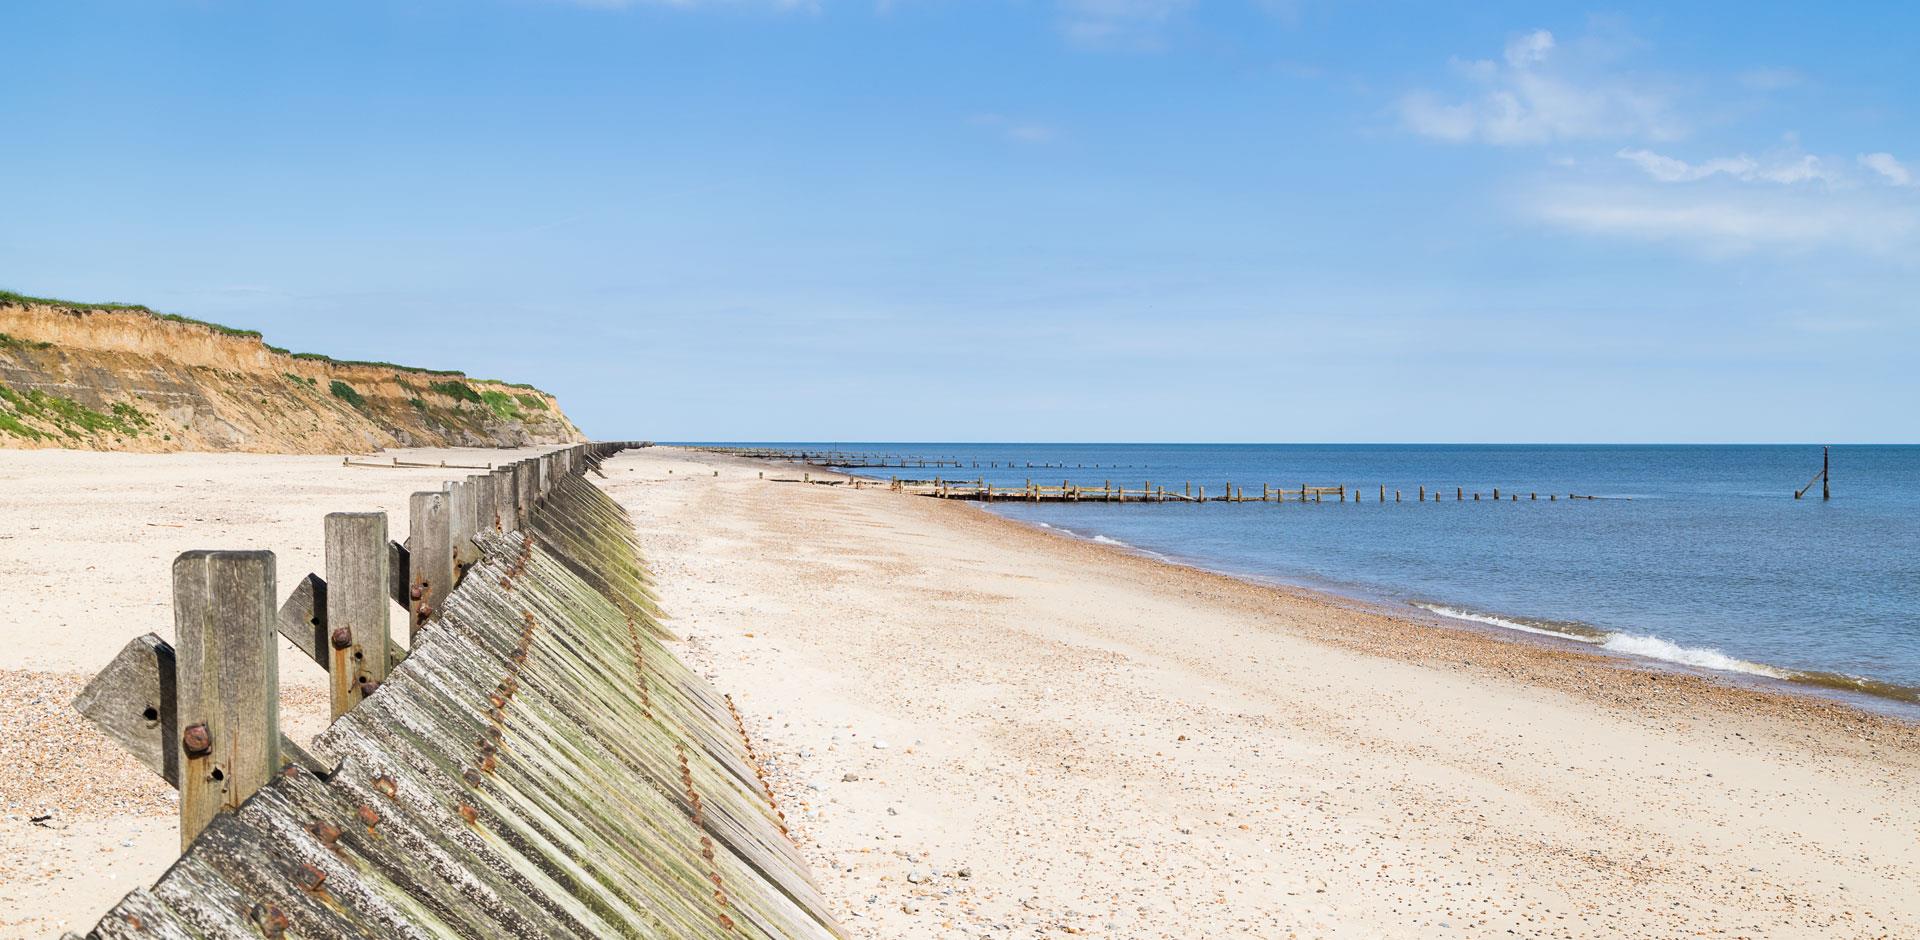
(1187, 492)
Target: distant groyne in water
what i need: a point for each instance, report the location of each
(536, 764)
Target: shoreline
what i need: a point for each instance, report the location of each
(1885, 699)
(1118, 746)
(1877, 697)
(1762, 690)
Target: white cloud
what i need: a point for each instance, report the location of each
(1804, 168)
(1890, 169)
(1729, 221)
(1118, 24)
(1530, 49)
(1541, 94)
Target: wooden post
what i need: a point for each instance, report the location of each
(1423, 492)
(356, 605)
(506, 516)
(460, 525)
(1264, 495)
(1189, 489)
(1496, 494)
(481, 485)
(1825, 466)
(1396, 496)
(228, 675)
(430, 558)
(1457, 491)
(523, 491)
(1383, 492)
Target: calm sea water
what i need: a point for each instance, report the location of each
(1703, 558)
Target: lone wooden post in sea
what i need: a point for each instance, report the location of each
(228, 675)
(1825, 466)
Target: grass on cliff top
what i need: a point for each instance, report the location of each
(10, 297)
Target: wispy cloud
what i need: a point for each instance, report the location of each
(1890, 169)
(1130, 25)
(1539, 92)
(1729, 221)
(1802, 168)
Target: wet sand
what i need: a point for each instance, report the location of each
(1082, 741)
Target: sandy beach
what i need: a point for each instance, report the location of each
(989, 730)
(979, 729)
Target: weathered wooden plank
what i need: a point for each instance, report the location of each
(303, 618)
(357, 605)
(141, 916)
(430, 559)
(399, 566)
(483, 513)
(529, 486)
(133, 701)
(506, 515)
(228, 680)
(460, 525)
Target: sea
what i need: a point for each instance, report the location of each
(1698, 558)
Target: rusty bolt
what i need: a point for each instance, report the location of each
(271, 920)
(368, 815)
(312, 877)
(326, 832)
(418, 591)
(342, 638)
(366, 686)
(471, 776)
(469, 814)
(425, 609)
(197, 740)
(386, 786)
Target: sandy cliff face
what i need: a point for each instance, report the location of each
(128, 379)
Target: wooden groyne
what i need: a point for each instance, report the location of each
(1148, 492)
(536, 764)
(859, 460)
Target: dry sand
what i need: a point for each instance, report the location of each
(1080, 741)
(86, 545)
(983, 730)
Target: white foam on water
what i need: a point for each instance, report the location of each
(1107, 541)
(1630, 644)
(1652, 647)
(1504, 623)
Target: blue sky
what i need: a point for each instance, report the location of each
(1247, 220)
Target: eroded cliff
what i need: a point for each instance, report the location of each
(126, 378)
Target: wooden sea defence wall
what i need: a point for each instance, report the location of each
(538, 764)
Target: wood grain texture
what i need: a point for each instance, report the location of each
(429, 559)
(357, 597)
(227, 675)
